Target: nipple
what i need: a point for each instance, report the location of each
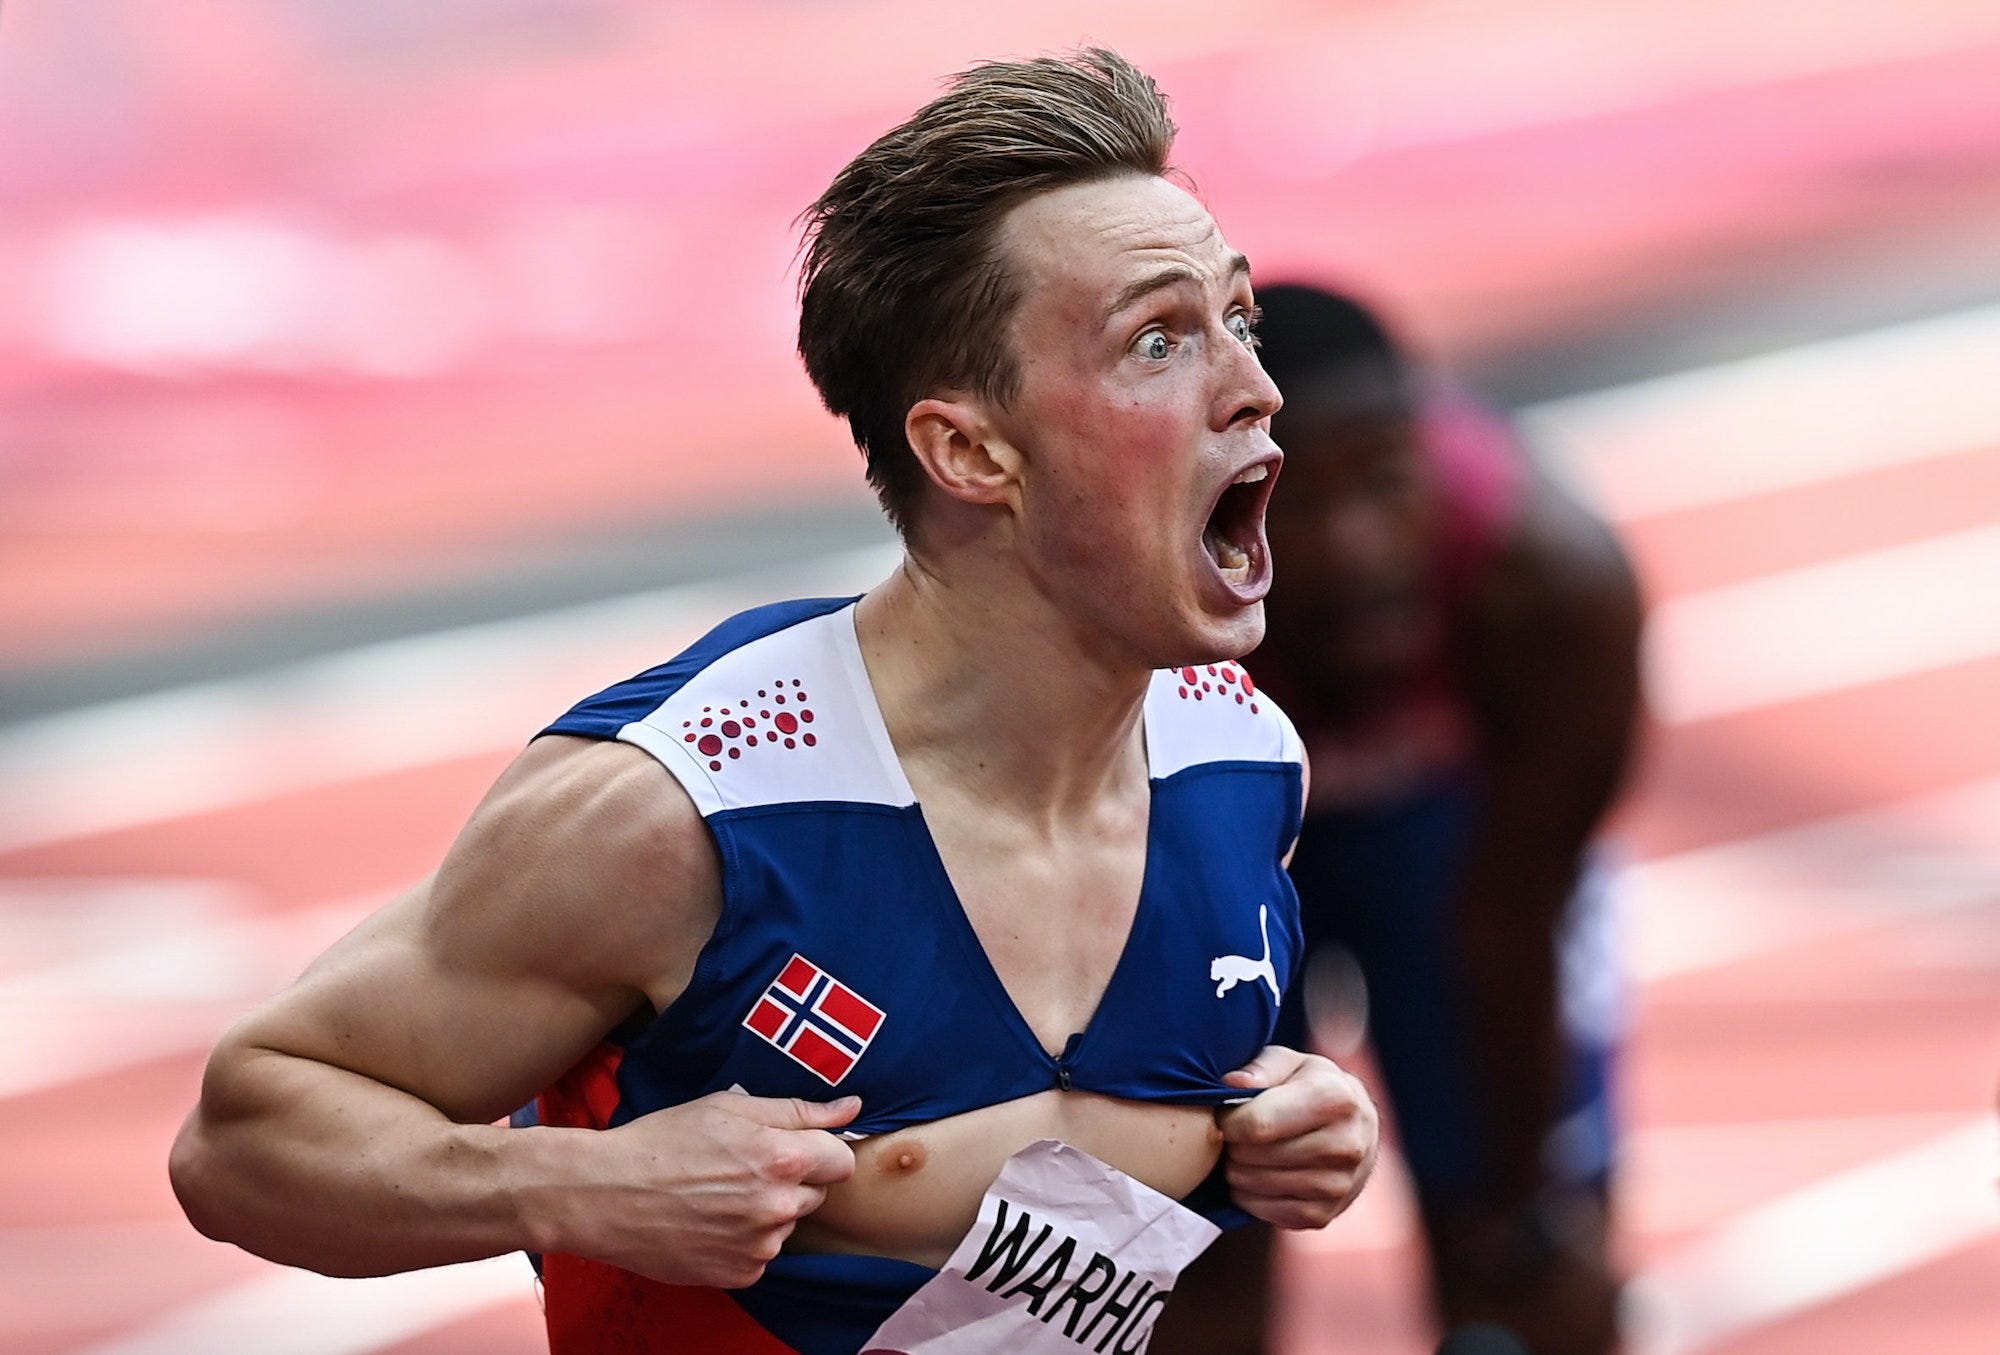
(902, 1158)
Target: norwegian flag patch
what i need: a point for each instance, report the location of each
(815, 1019)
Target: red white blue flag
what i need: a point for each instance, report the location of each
(815, 1019)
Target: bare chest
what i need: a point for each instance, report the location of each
(1052, 912)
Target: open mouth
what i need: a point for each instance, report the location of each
(1234, 534)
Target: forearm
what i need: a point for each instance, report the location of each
(311, 1165)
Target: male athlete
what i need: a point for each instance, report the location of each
(947, 869)
(1458, 641)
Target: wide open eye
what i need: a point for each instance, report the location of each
(1243, 325)
(1153, 345)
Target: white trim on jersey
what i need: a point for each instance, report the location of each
(791, 717)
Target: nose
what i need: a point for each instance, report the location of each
(1248, 393)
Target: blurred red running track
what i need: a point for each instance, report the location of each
(1667, 149)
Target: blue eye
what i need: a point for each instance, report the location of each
(1154, 346)
(1243, 326)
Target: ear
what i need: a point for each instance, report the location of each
(962, 452)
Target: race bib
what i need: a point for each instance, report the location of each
(1069, 1254)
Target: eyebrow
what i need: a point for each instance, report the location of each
(1168, 277)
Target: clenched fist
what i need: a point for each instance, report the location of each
(703, 1193)
(1299, 1152)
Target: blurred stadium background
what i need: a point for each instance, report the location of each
(375, 378)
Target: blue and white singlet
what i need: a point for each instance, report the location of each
(843, 964)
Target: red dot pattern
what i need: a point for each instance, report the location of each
(1218, 680)
(731, 722)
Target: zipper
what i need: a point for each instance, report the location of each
(1066, 1059)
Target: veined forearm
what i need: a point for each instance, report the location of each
(310, 1165)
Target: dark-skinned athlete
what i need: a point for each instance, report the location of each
(1457, 639)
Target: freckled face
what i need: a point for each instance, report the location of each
(1143, 420)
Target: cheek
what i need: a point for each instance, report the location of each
(1108, 451)
(1130, 423)
(1138, 437)
(1117, 467)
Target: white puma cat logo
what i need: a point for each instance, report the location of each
(1230, 970)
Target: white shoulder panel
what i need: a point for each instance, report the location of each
(1214, 713)
(783, 719)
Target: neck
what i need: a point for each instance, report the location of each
(988, 690)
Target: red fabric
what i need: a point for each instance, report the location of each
(596, 1309)
(587, 1096)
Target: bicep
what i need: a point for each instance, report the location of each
(386, 1003)
(581, 891)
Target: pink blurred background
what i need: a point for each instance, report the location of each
(335, 329)
(300, 299)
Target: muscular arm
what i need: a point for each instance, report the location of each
(344, 1126)
(1552, 655)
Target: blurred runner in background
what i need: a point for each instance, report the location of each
(1458, 641)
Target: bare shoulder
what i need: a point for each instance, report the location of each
(1561, 589)
(1564, 559)
(585, 858)
(581, 891)
(1550, 645)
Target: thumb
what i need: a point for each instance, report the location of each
(790, 1112)
(1273, 1064)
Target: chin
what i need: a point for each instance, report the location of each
(1218, 639)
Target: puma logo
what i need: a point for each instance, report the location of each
(1229, 970)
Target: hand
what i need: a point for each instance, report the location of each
(707, 1192)
(1299, 1152)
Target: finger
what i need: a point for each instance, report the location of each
(806, 1201)
(791, 1157)
(829, 1163)
(1285, 1212)
(1280, 1113)
(1273, 1064)
(757, 1252)
(1314, 1152)
(1331, 1183)
(1329, 1195)
(1350, 1130)
(789, 1112)
(1315, 1098)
